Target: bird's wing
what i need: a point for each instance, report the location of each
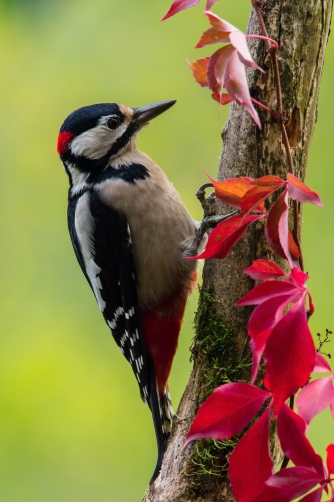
(102, 244)
(101, 240)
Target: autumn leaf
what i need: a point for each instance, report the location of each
(199, 69)
(225, 236)
(299, 449)
(232, 190)
(227, 411)
(261, 270)
(289, 355)
(179, 5)
(250, 464)
(314, 398)
(277, 232)
(299, 191)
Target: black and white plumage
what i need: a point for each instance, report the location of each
(128, 228)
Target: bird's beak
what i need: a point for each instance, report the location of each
(142, 115)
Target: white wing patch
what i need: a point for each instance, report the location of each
(84, 226)
(112, 324)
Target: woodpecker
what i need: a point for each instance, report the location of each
(129, 228)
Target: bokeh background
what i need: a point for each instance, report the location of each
(72, 426)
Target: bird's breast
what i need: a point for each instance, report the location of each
(161, 228)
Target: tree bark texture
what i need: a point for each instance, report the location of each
(220, 351)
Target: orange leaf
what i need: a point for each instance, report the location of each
(232, 190)
(198, 69)
(255, 196)
(223, 99)
(212, 36)
(293, 248)
(269, 181)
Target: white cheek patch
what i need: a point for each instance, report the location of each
(96, 142)
(84, 226)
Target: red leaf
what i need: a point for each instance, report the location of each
(267, 314)
(266, 383)
(210, 3)
(330, 459)
(199, 69)
(267, 290)
(225, 67)
(237, 87)
(311, 306)
(289, 354)
(278, 220)
(261, 270)
(298, 277)
(250, 464)
(212, 36)
(288, 484)
(179, 5)
(225, 236)
(255, 195)
(299, 191)
(236, 37)
(272, 297)
(269, 181)
(261, 323)
(238, 40)
(287, 477)
(293, 248)
(227, 411)
(313, 496)
(276, 230)
(219, 24)
(257, 346)
(232, 190)
(225, 52)
(321, 364)
(221, 67)
(291, 432)
(314, 398)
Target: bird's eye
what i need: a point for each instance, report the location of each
(113, 122)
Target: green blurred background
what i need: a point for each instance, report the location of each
(72, 426)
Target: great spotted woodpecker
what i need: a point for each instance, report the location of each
(129, 228)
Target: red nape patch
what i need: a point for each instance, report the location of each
(63, 140)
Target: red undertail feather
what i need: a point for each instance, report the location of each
(161, 332)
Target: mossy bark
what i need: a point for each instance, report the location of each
(220, 351)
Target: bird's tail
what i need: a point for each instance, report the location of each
(167, 412)
(162, 414)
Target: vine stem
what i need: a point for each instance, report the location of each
(281, 118)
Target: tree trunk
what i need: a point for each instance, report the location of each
(220, 351)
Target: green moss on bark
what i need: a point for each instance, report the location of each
(216, 353)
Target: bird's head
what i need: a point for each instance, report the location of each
(94, 134)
